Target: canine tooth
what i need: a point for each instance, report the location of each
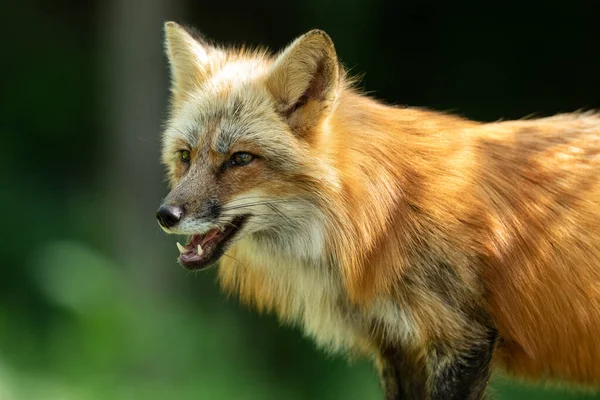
(200, 250)
(181, 248)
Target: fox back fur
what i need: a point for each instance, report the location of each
(436, 245)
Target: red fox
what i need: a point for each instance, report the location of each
(437, 246)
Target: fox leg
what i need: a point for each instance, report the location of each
(463, 374)
(442, 372)
(403, 375)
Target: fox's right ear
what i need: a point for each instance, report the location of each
(304, 79)
(189, 59)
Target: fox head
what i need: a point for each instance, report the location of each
(241, 145)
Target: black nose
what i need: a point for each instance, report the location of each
(169, 216)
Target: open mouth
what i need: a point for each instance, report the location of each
(204, 250)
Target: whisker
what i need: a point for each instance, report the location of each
(256, 197)
(261, 214)
(258, 203)
(292, 200)
(231, 224)
(278, 212)
(233, 258)
(245, 206)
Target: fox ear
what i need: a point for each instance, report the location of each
(304, 78)
(189, 58)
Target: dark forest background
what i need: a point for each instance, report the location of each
(92, 304)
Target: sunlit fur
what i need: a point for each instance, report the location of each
(357, 206)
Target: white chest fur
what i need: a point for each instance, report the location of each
(310, 294)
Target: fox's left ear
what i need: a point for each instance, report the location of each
(304, 78)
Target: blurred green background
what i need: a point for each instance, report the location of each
(92, 303)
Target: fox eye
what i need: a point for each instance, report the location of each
(241, 158)
(184, 155)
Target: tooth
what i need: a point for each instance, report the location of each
(181, 248)
(200, 251)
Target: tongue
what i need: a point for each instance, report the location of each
(208, 237)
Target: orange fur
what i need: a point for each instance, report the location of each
(514, 205)
(430, 221)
